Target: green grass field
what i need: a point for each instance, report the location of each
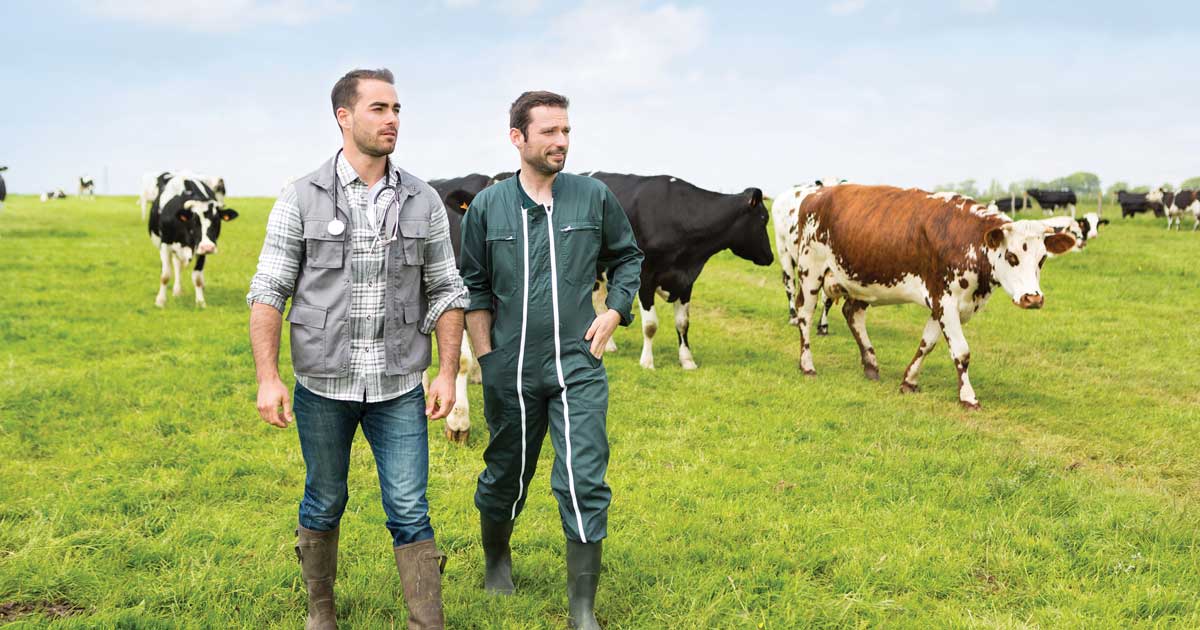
(139, 489)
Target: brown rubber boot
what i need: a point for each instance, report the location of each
(421, 565)
(317, 552)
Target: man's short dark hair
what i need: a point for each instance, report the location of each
(518, 114)
(345, 91)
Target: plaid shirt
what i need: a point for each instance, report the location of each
(279, 265)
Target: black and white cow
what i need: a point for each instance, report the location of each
(87, 188)
(680, 226)
(185, 222)
(1051, 200)
(3, 188)
(54, 194)
(1177, 204)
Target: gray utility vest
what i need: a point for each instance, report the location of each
(320, 313)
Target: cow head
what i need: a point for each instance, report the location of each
(207, 215)
(1016, 251)
(749, 229)
(457, 201)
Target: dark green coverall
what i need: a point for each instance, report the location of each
(534, 268)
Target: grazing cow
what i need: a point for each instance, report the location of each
(87, 188)
(185, 222)
(1135, 203)
(877, 245)
(456, 194)
(1051, 200)
(1008, 205)
(1177, 204)
(3, 188)
(679, 227)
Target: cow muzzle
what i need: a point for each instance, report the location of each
(206, 248)
(1030, 300)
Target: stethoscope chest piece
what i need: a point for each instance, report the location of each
(336, 227)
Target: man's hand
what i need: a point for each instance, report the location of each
(601, 331)
(440, 398)
(272, 395)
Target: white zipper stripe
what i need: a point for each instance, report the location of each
(561, 383)
(521, 358)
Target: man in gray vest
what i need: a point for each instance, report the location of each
(362, 248)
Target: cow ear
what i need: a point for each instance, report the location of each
(228, 214)
(994, 238)
(1060, 242)
(754, 197)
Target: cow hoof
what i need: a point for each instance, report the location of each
(909, 388)
(970, 405)
(201, 304)
(822, 331)
(458, 437)
(688, 365)
(160, 303)
(475, 379)
(809, 373)
(649, 365)
(871, 373)
(611, 346)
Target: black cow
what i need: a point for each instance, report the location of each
(3, 188)
(679, 227)
(185, 222)
(1051, 200)
(1008, 205)
(1135, 203)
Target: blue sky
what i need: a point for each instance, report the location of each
(724, 94)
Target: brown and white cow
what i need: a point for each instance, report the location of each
(879, 245)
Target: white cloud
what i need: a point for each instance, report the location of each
(520, 7)
(847, 7)
(615, 46)
(209, 15)
(978, 6)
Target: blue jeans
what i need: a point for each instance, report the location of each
(397, 432)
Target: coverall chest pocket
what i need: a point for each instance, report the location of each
(580, 249)
(323, 250)
(502, 261)
(412, 241)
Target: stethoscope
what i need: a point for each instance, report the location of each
(336, 226)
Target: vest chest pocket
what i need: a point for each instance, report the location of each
(412, 241)
(323, 250)
(580, 249)
(502, 261)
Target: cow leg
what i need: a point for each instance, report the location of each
(823, 325)
(458, 423)
(789, 289)
(177, 266)
(960, 353)
(599, 299)
(164, 253)
(649, 327)
(198, 281)
(474, 375)
(933, 330)
(686, 361)
(806, 306)
(856, 318)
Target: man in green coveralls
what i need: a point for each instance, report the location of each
(531, 246)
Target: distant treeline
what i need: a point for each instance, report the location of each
(1083, 183)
